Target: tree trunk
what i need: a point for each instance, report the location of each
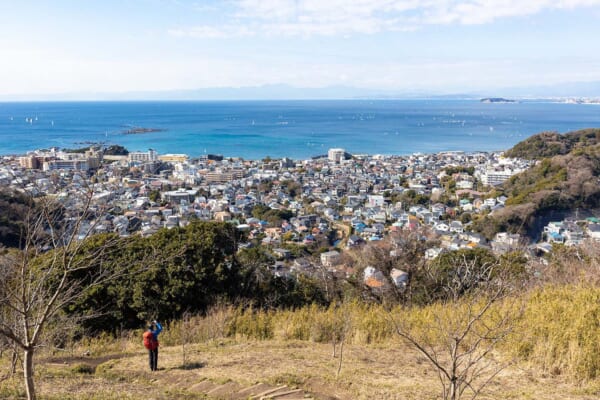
(453, 392)
(28, 373)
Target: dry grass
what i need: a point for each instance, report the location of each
(555, 348)
(390, 371)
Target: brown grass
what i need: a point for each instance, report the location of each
(390, 371)
(555, 349)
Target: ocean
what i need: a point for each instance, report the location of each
(296, 129)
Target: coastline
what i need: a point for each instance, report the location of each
(295, 129)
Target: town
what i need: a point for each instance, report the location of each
(332, 202)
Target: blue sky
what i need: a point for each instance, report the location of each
(443, 46)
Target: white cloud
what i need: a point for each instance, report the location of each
(48, 70)
(347, 17)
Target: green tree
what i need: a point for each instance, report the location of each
(154, 196)
(199, 268)
(259, 210)
(54, 268)
(116, 150)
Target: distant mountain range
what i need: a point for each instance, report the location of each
(264, 92)
(563, 90)
(288, 92)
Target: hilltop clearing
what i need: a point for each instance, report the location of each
(307, 369)
(232, 354)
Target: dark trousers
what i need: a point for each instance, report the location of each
(153, 359)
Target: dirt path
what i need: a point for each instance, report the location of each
(282, 370)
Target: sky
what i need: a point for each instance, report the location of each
(437, 46)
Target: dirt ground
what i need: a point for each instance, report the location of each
(365, 372)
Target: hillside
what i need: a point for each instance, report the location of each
(215, 370)
(228, 354)
(565, 178)
(549, 144)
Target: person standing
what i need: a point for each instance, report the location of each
(151, 343)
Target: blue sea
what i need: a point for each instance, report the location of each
(297, 129)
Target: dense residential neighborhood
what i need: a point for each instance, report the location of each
(334, 202)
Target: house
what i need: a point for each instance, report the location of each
(491, 202)
(400, 278)
(379, 218)
(505, 242)
(179, 196)
(553, 227)
(473, 237)
(280, 270)
(573, 233)
(464, 184)
(375, 201)
(331, 214)
(330, 258)
(301, 264)
(442, 226)
(593, 231)
(433, 253)
(222, 216)
(555, 237)
(270, 241)
(513, 239)
(354, 241)
(274, 232)
(374, 278)
(456, 226)
(396, 227)
(438, 208)
(282, 253)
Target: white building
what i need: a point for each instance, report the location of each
(330, 258)
(375, 201)
(70, 165)
(336, 155)
(493, 177)
(143, 156)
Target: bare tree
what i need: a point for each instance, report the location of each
(341, 326)
(185, 336)
(57, 263)
(460, 333)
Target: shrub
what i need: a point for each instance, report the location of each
(85, 369)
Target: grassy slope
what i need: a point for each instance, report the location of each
(389, 371)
